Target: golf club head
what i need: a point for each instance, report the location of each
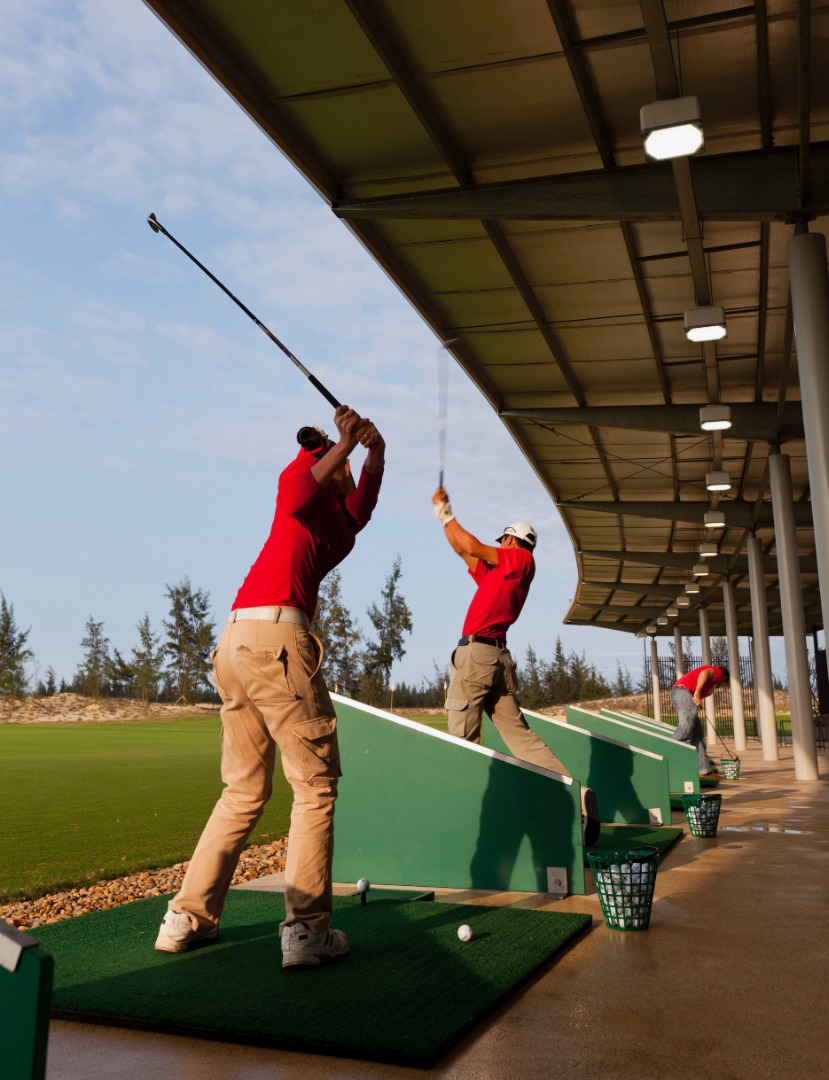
(152, 221)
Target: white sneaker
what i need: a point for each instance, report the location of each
(301, 948)
(176, 933)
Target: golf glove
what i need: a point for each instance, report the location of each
(443, 512)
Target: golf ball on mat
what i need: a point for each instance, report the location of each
(363, 885)
(465, 932)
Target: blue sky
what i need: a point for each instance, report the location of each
(144, 419)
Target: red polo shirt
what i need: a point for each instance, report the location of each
(501, 592)
(313, 530)
(690, 680)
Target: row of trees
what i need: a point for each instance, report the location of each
(164, 665)
(174, 663)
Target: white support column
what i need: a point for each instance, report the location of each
(708, 703)
(737, 711)
(657, 707)
(680, 667)
(794, 623)
(763, 686)
(809, 282)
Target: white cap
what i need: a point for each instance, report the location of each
(521, 530)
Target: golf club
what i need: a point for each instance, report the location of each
(443, 399)
(157, 227)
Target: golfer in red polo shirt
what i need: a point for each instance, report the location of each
(483, 671)
(687, 694)
(267, 671)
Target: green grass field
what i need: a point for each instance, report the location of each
(82, 802)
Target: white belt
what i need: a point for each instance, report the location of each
(274, 614)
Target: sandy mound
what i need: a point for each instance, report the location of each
(77, 709)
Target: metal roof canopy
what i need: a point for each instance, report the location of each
(488, 155)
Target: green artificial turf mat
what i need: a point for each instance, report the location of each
(408, 992)
(623, 836)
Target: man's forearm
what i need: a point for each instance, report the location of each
(456, 534)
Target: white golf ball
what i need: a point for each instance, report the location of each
(465, 932)
(363, 885)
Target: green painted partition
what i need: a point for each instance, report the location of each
(419, 807)
(646, 722)
(25, 999)
(683, 769)
(631, 783)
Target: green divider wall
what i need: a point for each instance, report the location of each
(418, 807)
(683, 771)
(631, 783)
(25, 999)
(647, 722)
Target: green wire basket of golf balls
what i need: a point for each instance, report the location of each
(703, 813)
(624, 879)
(730, 767)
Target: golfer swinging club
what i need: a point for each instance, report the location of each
(267, 671)
(483, 671)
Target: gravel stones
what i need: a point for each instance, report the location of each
(256, 861)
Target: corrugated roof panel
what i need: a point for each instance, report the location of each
(426, 94)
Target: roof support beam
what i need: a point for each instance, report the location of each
(738, 515)
(755, 185)
(736, 565)
(761, 420)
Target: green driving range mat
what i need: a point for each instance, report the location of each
(616, 837)
(408, 992)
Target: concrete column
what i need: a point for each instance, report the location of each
(794, 624)
(809, 282)
(680, 667)
(708, 703)
(737, 711)
(763, 686)
(657, 707)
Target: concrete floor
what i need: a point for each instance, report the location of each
(731, 980)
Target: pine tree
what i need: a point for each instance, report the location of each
(14, 653)
(340, 638)
(93, 670)
(719, 651)
(623, 686)
(189, 638)
(147, 661)
(530, 687)
(391, 622)
(120, 674)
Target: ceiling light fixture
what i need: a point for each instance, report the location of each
(718, 481)
(672, 612)
(650, 629)
(671, 128)
(682, 601)
(707, 550)
(714, 519)
(715, 417)
(692, 587)
(705, 323)
(662, 620)
(701, 570)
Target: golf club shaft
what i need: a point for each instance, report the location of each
(443, 400)
(156, 226)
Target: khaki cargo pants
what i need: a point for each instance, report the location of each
(483, 679)
(268, 676)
